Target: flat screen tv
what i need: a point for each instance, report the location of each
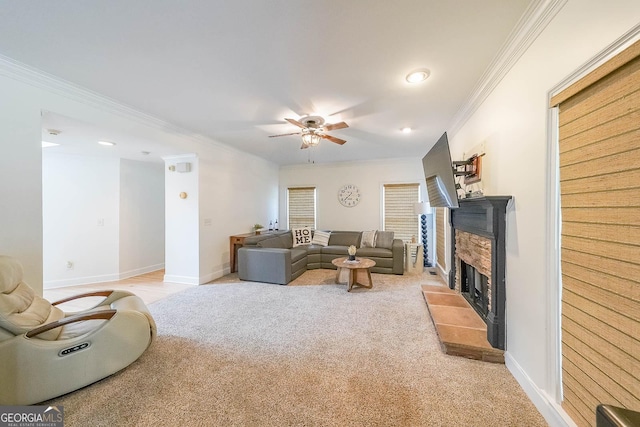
(439, 174)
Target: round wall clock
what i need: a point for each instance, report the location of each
(349, 195)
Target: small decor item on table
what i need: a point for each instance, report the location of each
(257, 228)
(352, 253)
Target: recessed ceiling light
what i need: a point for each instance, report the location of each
(109, 143)
(406, 130)
(417, 76)
(46, 144)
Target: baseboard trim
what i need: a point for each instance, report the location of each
(139, 271)
(214, 275)
(183, 280)
(87, 280)
(442, 274)
(551, 411)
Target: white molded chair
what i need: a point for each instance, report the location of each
(45, 352)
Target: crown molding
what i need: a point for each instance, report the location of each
(531, 24)
(31, 76)
(623, 42)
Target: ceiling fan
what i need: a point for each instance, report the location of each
(313, 128)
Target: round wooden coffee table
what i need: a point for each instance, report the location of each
(360, 264)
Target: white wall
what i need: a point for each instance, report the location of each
(26, 93)
(181, 221)
(21, 181)
(81, 219)
(141, 217)
(368, 176)
(513, 122)
(228, 192)
(236, 191)
(105, 215)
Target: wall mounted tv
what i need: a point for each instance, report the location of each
(439, 174)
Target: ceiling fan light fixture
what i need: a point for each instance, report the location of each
(311, 139)
(417, 76)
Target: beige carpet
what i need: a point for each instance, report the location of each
(307, 354)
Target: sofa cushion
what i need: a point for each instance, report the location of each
(297, 254)
(335, 250)
(345, 238)
(374, 253)
(321, 238)
(287, 240)
(368, 239)
(301, 236)
(314, 249)
(384, 239)
(273, 242)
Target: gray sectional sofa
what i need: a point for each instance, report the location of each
(272, 258)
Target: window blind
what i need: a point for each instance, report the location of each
(301, 209)
(399, 215)
(599, 146)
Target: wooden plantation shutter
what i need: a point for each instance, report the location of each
(599, 146)
(399, 215)
(301, 207)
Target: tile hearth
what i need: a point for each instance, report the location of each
(460, 329)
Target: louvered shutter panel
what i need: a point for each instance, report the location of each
(302, 207)
(599, 145)
(399, 215)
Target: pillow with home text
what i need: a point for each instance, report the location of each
(301, 236)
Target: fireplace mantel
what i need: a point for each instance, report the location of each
(486, 216)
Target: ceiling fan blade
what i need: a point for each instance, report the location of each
(296, 123)
(285, 134)
(340, 125)
(332, 139)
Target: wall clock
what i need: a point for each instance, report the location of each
(349, 195)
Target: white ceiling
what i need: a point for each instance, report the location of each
(233, 70)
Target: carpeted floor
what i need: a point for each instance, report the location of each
(308, 354)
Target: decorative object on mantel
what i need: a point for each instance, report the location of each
(423, 209)
(352, 253)
(257, 228)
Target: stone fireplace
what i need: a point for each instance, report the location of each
(473, 270)
(478, 260)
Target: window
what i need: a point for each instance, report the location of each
(399, 216)
(599, 157)
(301, 207)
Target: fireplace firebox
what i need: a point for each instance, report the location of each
(474, 286)
(478, 260)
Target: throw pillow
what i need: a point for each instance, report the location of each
(321, 238)
(368, 239)
(301, 236)
(384, 239)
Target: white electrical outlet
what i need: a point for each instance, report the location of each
(69, 265)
